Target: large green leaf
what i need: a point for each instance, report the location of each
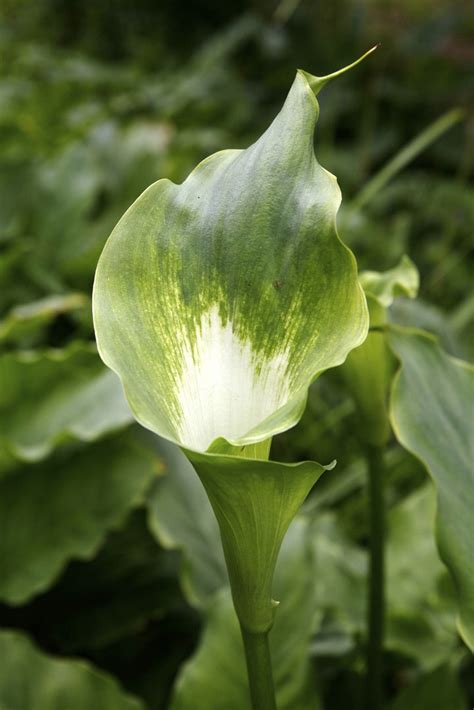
(62, 509)
(97, 602)
(218, 301)
(416, 313)
(55, 396)
(431, 413)
(32, 680)
(215, 677)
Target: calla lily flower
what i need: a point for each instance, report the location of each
(218, 302)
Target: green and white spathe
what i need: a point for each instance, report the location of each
(218, 301)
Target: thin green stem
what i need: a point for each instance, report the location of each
(406, 155)
(259, 669)
(376, 606)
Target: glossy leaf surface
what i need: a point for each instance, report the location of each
(431, 412)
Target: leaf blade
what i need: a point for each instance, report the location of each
(431, 414)
(31, 679)
(55, 396)
(85, 496)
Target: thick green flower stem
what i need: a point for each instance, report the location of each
(259, 669)
(376, 605)
(254, 501)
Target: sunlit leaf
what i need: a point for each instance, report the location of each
(63, 508)
(48, 398)
(30, 679)
(431, 412)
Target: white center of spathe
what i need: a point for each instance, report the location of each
(220, 391)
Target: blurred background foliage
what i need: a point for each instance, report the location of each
(112, 584)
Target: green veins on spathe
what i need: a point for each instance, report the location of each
(218, 301)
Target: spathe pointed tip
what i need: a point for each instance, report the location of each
(317, 82)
